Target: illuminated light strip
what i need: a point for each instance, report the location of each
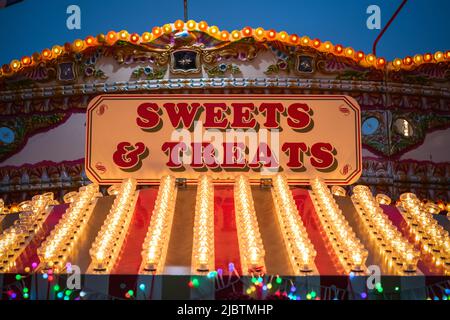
(203, 240)
(389, 239)
(258, 34)
(300, 249)
(249, 238)
(107, 244)
(349, 249)
(156, 242)
(16, 238)
(55, 250)
(432, 237)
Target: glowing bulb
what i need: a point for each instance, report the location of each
(213, 30)
(191, 24)
(179, 25)
(202, 26)
(146, 36)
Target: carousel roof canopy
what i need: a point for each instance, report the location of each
(200, 33)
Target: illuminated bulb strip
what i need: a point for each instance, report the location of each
(158, 235)
(300, 249)
(17, 237)
(433, 238)
(401, 253)
(203, 242)
(57, 247)
(108, 242)
(250, 242)
(349, 249)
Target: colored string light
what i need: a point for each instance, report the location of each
(157, 239)
(55, 250)
(387, 237)
(107, 244)
(203, 240)
(349, 249)
(301, 250)
(249, 237)
(434, 239)
(259, 34)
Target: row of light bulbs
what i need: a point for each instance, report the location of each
(15, 239)
(55, 250)
(203, 244)
(250, 243)
(301, 250)
(158, 235)
(433, 238)
(400, 252)
(349, 249)
(107, 244)
(259, 34)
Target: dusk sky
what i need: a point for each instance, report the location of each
(422, 25)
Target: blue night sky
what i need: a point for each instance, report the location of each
(33, 25)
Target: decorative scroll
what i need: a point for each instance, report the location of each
(14, 132)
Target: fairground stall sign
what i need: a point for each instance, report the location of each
(148, 136)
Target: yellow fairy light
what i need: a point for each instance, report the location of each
(167, 28)
(203, 244)
(123, 35)
(328, 46)
(249, 238)
(418, 59)
(259, 32)
(439, 56)
(108, 242)
(236, 34)
(17, 237)
(305, 40)
(433, 238)
(389, 240)
(156, 242)
(349, 249)
(283, 36)
(57, 50)
(213, 30)
(15, 65)
(78, 44)
(301, 250)
(191, 24)
(349, 52)
(397, 63)
(55, 250)
(146, 36)
(202, 26)
(370, 58)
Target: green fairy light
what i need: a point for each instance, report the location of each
(131, 293)
(195, 283)
(25, 290)
(279, 280)
(18, 277)
(56, 287)
(68, 292)
(313, 294)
